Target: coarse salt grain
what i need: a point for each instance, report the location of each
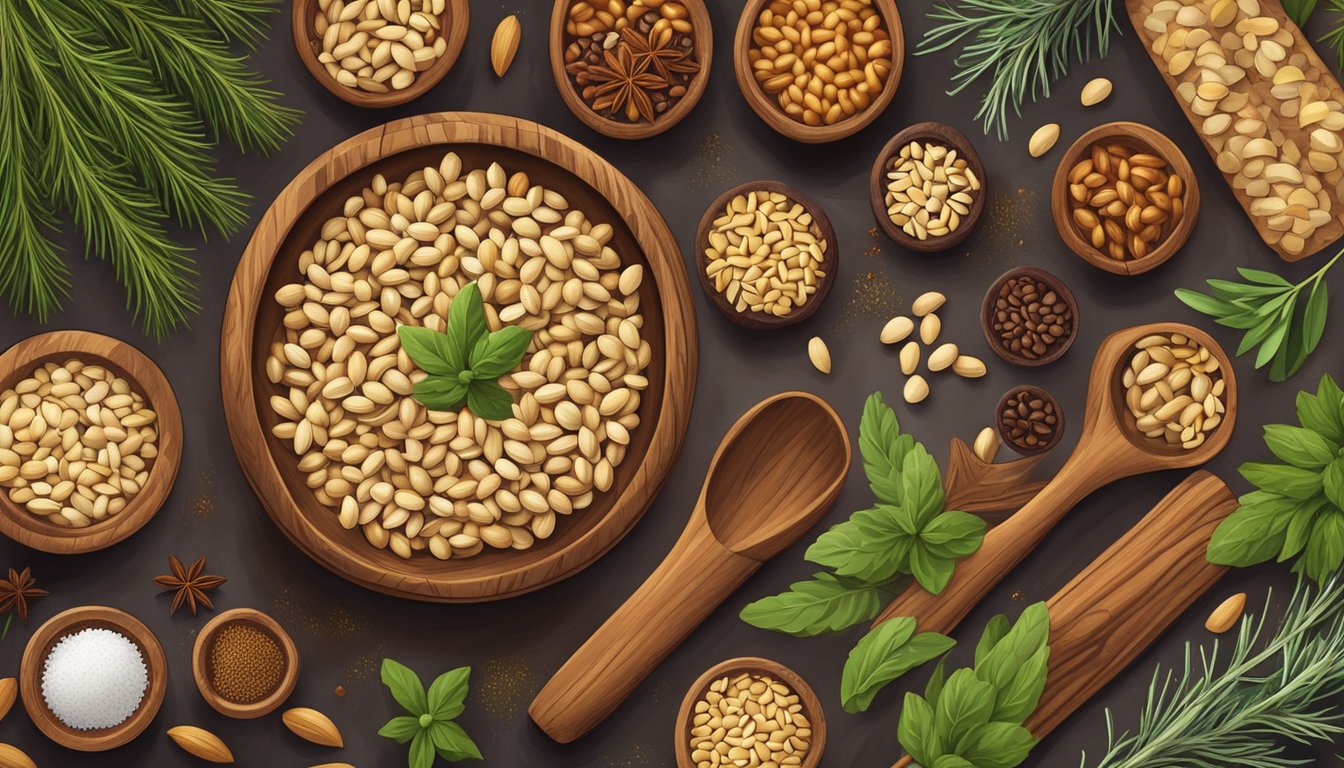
(94, 679)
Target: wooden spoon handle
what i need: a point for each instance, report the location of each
(694, 579)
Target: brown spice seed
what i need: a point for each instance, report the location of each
(246, 663)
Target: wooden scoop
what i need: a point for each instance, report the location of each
(777, 471)
(1110, 448)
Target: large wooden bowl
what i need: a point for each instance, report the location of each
(67, 623)
(619, 129)
(145, 377)
(201, 668)
(252, 321)
(456, 19)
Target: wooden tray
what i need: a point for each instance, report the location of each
(252, 322)
(1139, 9)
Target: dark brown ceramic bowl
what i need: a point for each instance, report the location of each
(936, 133)
(988, 309)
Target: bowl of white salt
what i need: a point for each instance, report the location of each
(93, 678)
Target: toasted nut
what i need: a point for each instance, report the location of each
(929, 328)
(987, 445)
(1226, 614)
(504, 45)
(9, 687)
(1096, 91)
(916, 389)
(909, 357)
(927, 303)
(897, 329)
(311, 725)
(1043, 139)
(968, 367)
(819, 354)
(13, 757)
(201, 743)
(943, 357)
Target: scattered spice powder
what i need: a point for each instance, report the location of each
(246, 663)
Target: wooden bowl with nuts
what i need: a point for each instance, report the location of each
(64, 625)
(791, 99)
(1030, 317)
(411, 51)
(263, 639)
(695, 710)
(660, 49)
(147, 440)
(431, 547)
(1124, 198)
(728, 294)
(1029, 420)
(951, 195)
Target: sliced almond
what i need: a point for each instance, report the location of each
(1227, 614)
(201, 743)
(504, 45)
(311, 725)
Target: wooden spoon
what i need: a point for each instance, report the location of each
(1110, 448)
(777, 471)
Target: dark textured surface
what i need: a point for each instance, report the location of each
(343, 631)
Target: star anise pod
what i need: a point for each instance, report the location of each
(17, 591)
(622, 85)
(658, 53)
(190, 584)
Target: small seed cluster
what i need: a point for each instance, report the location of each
(824, 61)
(1030, 420)
(414, 479)
(749, 721)
(246, 663)
(1031, 318)
(765, 253)
(76, 443)
(1273, 116)
(1125, 202)
(587, 17)
(930, 187)
(1174, 389)
(945, 356)
(379, 45)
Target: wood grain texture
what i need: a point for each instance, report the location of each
(252, 321)
(988, 309)
(201, 669)
(777, 471)
(1257, 85)
(703, 42)
(1116, 607)
(936, 133)
(991, 491)
(1139, 138)
(67, 623)
(1109, 448)
(768, 109)
(822, 229)
(19, 361)
(456, 19)
(752, 665)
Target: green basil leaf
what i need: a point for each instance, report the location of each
(995, 631)
(1299, 528)
(422, 750)
(1313, 319)
(915, 730)
(448, 692)
(826, 603)
(440, 394)
(405, 686)
(466, 324)
(931, 571)
(1205, 304)
(921, 485)
(1299, 10)
(887, 652)
(999, 745)
(501, 352)
(1018, 699)
(1325, 547)
(905, 518)
(1298, 446)
(1320, 416)
(426, 349)
(933, 690)
(883, 448)
(953, 535)
(1332, 481)
(401, 728)
(489, 401)
(966, 704)
(1284, 480)
(953, 761)
(1262, 277)
(1030, 632)
(869, 547)
(452, 742)
(1252, 534)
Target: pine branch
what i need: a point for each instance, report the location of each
(242, 20)
(1334, 35)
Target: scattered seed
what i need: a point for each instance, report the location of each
(916, 389)
(819, 354)
(1043, 139)
(929, 328)
(1096, 91)
(897, 329)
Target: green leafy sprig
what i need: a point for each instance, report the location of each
(1299, 10)
(1283, 330)
(429, 725)
(1334, 35)
(1298, 510)
(973, 719)
(465, 362)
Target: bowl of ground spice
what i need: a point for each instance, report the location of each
(245, 663)
(1030, 317)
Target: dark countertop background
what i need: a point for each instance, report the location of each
(344, 631)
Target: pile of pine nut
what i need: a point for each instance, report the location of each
(766, 253)
(749, 720)
(379, 45)
(1174, 389)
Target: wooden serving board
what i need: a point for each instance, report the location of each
(1259, 88)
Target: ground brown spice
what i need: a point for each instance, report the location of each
(246, 663)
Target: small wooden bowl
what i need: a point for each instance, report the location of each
(1138, 137)
(937, 133)
(618, 129)
(128, 362)
(757, 666)
(200, 663)
(761, 321)
(1035, 392)
(768, 109)
(456, 19)
(69, 622)
(987, 310)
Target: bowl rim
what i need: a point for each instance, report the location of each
(987, 316)
(200, 663)
(302, 18)
(752, 664)
(148, 379)
(1036, 391)
(86, 617)
(616, 129)
(790, 128)
(355, 155)
(1157, 143)
(938, 133)
(760, 321)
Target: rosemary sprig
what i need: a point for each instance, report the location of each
(1334, 35)
(1247, 711)
(1020, 46)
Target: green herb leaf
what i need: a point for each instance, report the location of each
(440, 394)
(453, 743)
(422, 750)
(995, 631)
(916, 732)
(489, 400)
(1299, 446)
(825, 603)
(402, 728)
(448, 692)
(500, 353)
(921, 485)
(888, 651)
(1253, 533)
(933, 690)
(405, 686)
(1029, 633)
(931, 571)
(869, 547)
(1325, 547)
(1299, 10)
(1322, 412)
(952, 761)
(953, 534)
(966, 704)
(999, 745)
(428, 349)
(466, 326)
(1293, 482)
(1016, 701)
(1332, 481)
(1298, 532)
(883, 448)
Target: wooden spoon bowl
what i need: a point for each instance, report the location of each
(64, 624)
(935, 133)
(703, 46)
(202, 669)
(455, 20)
(19, 361)
(753, 666)
(988, 309)
(768, 109)
(1140, 138)
(821, 228)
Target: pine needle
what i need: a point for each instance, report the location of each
(242, 20)
(1334, 35)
